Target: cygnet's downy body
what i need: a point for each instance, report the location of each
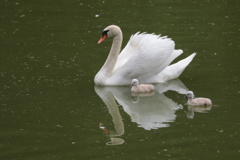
(136, 87)
(197, 101)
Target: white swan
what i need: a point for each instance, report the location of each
(197, 101)
(136, 87)
(145, 57)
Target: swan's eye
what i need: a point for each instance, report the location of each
(104, 33)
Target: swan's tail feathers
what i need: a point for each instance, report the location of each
(174, 71)
(176, 53)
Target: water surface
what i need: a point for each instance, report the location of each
(50, 108)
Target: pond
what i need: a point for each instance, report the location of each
(51, 109)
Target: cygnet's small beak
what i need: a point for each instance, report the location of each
(185, 96)
(102, 39)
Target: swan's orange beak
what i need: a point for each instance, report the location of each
(102, 39)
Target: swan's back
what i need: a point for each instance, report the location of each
(144, 57)
(147, 47)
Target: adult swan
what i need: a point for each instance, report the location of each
(146, 57)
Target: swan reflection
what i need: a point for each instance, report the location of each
(107, 97)
(149, 110)
(114, 140)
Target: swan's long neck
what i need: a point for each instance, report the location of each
(111, 60)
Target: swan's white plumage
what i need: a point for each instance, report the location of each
(144, 53)
(173, 71)
(145, 57)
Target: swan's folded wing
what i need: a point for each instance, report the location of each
(173, 71)
(145, 54)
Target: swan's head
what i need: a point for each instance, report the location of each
(189, 95)
(110, 31)
(134, 82)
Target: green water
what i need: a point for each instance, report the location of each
(50, 108)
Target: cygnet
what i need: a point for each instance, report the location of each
(136, 87)
(197, 101)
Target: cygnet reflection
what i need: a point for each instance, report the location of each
(199, 109)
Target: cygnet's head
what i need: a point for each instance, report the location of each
(110, 31)
(189, 95)
(134, 82)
